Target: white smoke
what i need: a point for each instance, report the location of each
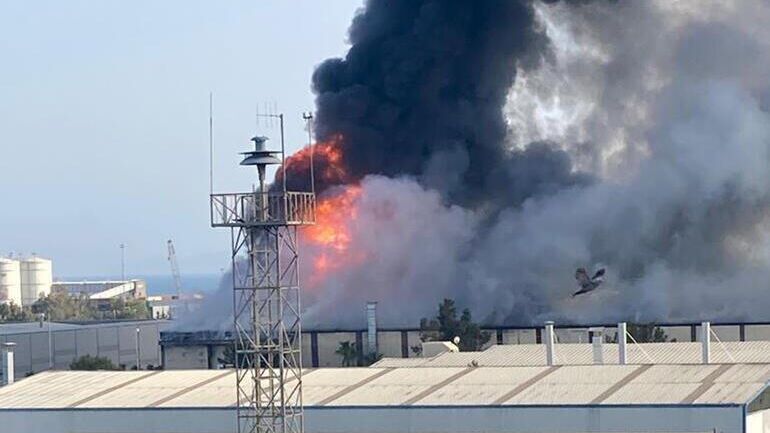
(668, 107)
(666, 104)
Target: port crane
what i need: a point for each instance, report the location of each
(174, 269)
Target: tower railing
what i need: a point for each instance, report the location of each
(253, 209)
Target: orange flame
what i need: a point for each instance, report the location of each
(328, 164)
(330, 238)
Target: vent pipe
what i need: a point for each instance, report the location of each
(8, 368)
(705, 339)
(549, 340)
(622, 340)
(597, 340)
(371, 327)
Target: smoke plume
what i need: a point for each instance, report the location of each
(636, 138)
(421, 92)
(499, 145)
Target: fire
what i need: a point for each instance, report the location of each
(328, 163)
(328, 242)
(330, 238)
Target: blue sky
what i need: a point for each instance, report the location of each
(104, 120)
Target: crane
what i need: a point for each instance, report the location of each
(174, 269)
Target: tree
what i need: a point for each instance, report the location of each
(14, 313)
(62, 306)
(348, 352)
(446, 326)
(131, 309)
(90, 363)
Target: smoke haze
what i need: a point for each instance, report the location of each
(501, 145)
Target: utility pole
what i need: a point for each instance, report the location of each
(122, 262)
(138, 353)
(42, 318)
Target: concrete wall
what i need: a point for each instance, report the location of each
(389, 344)
(519, 336)
(679, 333)
(757, 332)
(116, 342)
(328, 344)
(512, 419)
(193, 357)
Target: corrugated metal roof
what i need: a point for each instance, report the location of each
(64, 388)
(582, 354)
(558, 385)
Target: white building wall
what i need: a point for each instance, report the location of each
(608, 419)
(758, 422)
(755, 422)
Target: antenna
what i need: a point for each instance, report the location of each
(283, 155)
(271, 117)
(309, 121)
(122, 262)
(211, 143)
(268, 115)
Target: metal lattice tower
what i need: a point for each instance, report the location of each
(266, 295)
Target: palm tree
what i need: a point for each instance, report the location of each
(348, 352)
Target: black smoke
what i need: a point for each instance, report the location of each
(421, 92)
(664, 103)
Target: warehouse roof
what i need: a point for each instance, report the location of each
(34, 327)
(715, 384)
(582, 354)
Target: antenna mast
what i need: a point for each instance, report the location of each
(309, 123)
(266, 295)
(211, 143)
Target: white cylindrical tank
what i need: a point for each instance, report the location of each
(36, 279)
(10, 281)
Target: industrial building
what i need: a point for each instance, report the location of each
(203, 349)
(103, 291)
(550, 388)
(23, 281)
(53, 345)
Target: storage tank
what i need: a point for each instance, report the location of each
(36, 279)
(10, 281)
